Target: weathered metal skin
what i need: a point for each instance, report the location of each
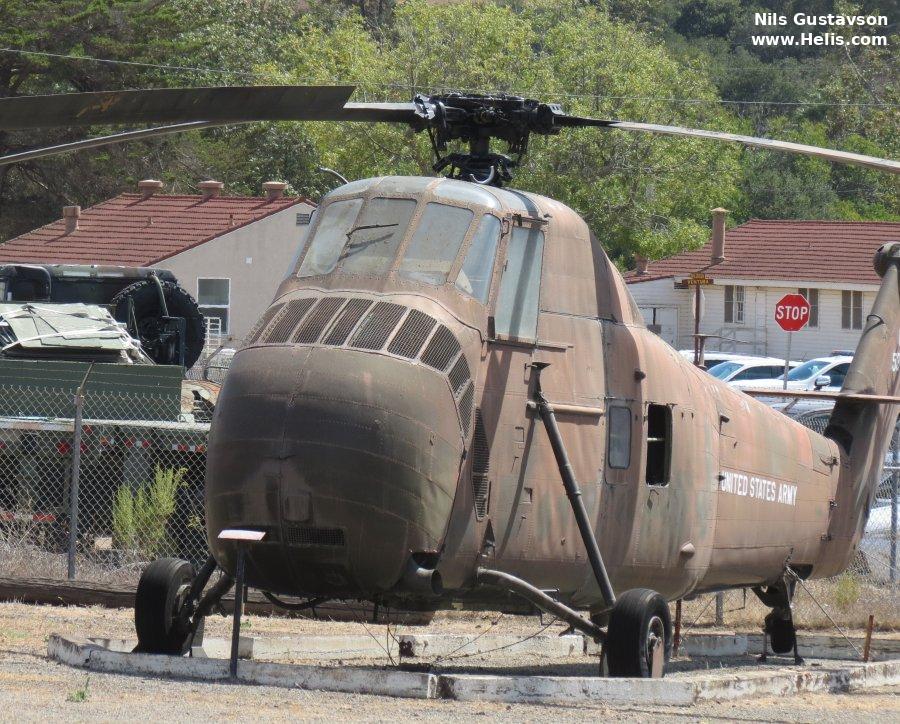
(398, 428)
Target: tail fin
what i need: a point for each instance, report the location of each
(864, 429)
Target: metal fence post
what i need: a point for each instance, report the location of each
(895, 473)
(720, 608)
(76, 473)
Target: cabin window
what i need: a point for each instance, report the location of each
(474, 278)
(734, 304)
(330, 237)
(435, 243)
(811, 296)
(619, 437)
(659, 447)
(851, 310)
(517, 304)
(372, 242)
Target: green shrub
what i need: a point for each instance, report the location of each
(846, 591)
(140, 517)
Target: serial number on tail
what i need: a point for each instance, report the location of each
(758, 488)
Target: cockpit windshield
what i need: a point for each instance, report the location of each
(360, 237)
(373, 240)
(433, 248)
(331, 235)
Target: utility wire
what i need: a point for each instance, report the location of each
(399, 86)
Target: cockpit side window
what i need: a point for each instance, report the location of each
(435, 243)
(330, 237)
(373, 240)
(517, 304)
(474, 277)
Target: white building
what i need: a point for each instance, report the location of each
(229, 252)
(829, 262)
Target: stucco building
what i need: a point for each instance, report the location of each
(829, 262)
(230, 252)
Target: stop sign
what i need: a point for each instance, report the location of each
(792, 312)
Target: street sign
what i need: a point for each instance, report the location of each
(792, 312)
(698, 279)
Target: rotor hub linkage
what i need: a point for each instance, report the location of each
(476, 119)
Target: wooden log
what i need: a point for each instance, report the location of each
(49, 591)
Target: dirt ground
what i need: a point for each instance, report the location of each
(35, 688)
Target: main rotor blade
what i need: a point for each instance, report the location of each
(103, 141)
(880, 164)
(379, 113)
(227, 104)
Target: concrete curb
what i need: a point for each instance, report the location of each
(113, 656)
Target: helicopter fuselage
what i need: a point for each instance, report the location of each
(376, 423)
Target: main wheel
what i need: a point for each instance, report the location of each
(637, 622)
(160, 593)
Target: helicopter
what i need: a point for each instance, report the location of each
(453, 400)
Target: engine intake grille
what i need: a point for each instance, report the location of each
(347, 321)
(441, 350)
(318, 319)
(377, 326)
(295, 310)
(261, 325)
(412, 334)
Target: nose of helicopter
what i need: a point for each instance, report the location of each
(348, 460)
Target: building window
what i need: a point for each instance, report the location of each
(851, 310)
(811, 296)
(214, 298)
(734, 304)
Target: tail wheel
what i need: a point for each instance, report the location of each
(160, 593)
(782, 634)
(638, 622)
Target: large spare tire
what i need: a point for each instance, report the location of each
(148, 313)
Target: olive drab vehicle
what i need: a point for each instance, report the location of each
(453, 400)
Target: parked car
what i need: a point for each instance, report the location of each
(711, 358)
(749, 368)
(821, 373)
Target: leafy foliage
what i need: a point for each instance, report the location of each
(140, 517)
(683, 62)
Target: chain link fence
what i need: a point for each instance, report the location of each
(94, 486)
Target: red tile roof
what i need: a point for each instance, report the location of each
(814, 251)
(129, 230)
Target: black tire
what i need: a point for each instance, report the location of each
(160, 592)
(782, 634)
(147, 311)
(638, 616)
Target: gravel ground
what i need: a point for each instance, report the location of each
(34, 688)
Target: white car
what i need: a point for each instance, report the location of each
(822, 373)
(745, 369)
(710, 359)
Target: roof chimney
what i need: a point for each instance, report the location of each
(71, 214)
(210, 189)
(274, 189)
(642, 262)
(718, 235)
(149, 186)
